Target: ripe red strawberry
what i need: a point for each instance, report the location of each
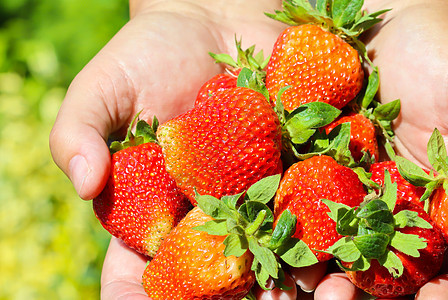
(301, 189)
(438, 210)
(362, 135)
(140, 203)
(317, 65)
(417, 270)
(190, 264)
(220, 248)
(224, 145)
(216, 83)
(405, 190)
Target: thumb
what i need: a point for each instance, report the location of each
(78, 137)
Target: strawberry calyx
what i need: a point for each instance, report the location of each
(250, 227)
(144, 133)
(343, 18)
(370, 231)
(438, 175)
(245, 59)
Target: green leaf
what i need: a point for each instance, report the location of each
(410, 218)
(236, 245)
(437, 155)
(392, 263)
(411, 172)
(336, 209)
(264, 190)
(285, 228)
(408, 243)
(214, 207)
(361, 264)
(265, 256)
(214, 227)
(345, 11)
(296, 253)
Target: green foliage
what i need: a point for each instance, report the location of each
(51, 244)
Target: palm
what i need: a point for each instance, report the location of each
(412, 62)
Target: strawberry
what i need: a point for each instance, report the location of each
(140, 203)
(216, 83)
(362, 135)
(191, 265)
(318, 56)
(406, 190)
(224, 145)
(390, 246)
(219, 250)
(302, 187)
(435, 182)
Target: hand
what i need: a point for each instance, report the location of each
(142, 67)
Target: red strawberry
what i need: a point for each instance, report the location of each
(301, 190)
(140, 203)
(216, 83)
(219, 249)
(406, 190)
(417, 269)
(190, 264)
(316, 64)
(362, 135)
(438, 210)
(224, 145)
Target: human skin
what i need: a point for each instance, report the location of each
(158, 61)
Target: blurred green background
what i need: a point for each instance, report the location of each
(51, 245)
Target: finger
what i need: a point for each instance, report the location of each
(122, 273)
(435, 289)
(308, 277)
(336, 286)
(276, 293)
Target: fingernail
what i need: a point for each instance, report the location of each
(79, 170)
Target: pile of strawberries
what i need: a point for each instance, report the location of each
(278, 164)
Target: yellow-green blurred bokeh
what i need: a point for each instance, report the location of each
(51, 245)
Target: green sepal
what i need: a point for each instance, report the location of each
(373, 84)
(214, 227)
(412, 172)
(344, 216)
(345, 12)
(345, 250)
(392, 263)
(284, 229)
(249, 79)
(264, 190)
(261, 274)
(410, 218)
(376, 215)
(437, 154)
(279, 282)
(265, 256)
(372, 245)
(214, 207)
(231, 200)
(144, 133)
(388, 111)
(408, 243)
(236, 245)
(390, 191)
(302, 122)
(296, 253)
